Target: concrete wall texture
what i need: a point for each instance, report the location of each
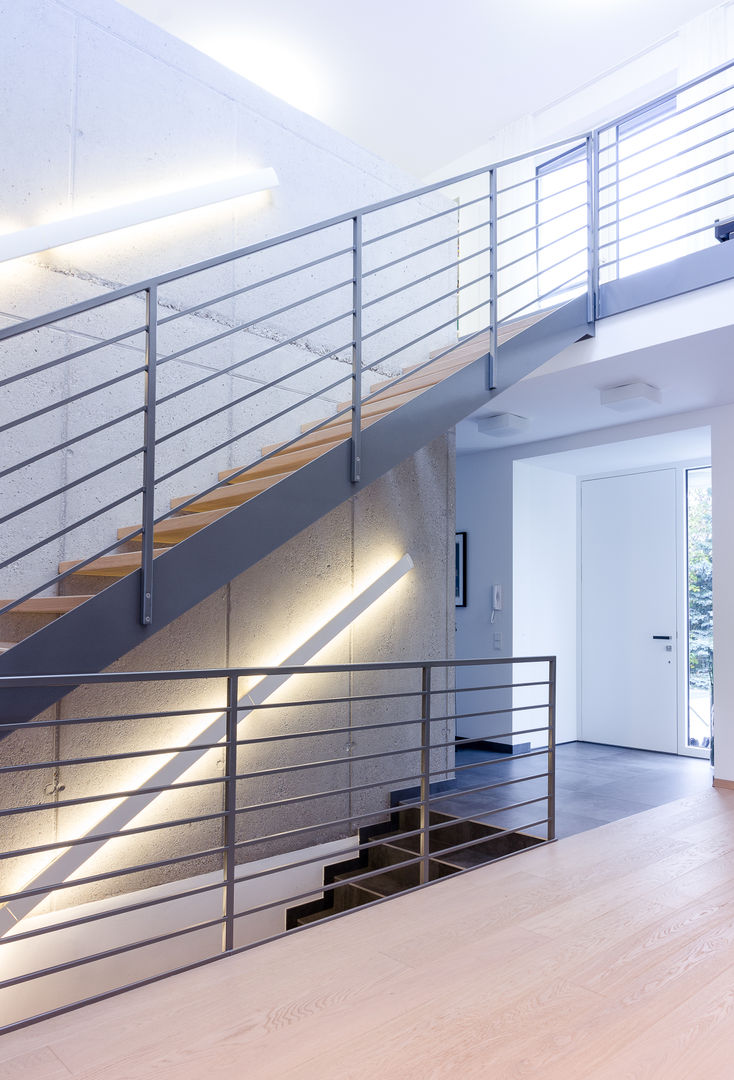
(101, 107)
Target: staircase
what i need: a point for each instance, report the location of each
(211, 538)
(392, 864)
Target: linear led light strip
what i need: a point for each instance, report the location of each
(68, 230)
(71, 860)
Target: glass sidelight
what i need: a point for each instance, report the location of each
(700, 607)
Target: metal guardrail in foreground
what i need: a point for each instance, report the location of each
(170, 837)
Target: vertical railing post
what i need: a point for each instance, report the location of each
(151, 353)
(592, 242)
(356, 347)
(230, 815)
(552, 748)
(425, 817)
(492, 278)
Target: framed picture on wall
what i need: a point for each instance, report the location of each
(461, 569)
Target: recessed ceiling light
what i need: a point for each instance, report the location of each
(630, 396)
(503, 424)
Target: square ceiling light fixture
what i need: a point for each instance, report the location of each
(503, 425)
(630, 396)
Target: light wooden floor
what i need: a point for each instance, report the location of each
(608, 955)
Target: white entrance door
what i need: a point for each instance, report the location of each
(628, 610)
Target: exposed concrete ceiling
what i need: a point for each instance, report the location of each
(420, 82)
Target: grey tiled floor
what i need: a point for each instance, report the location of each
(594, 785)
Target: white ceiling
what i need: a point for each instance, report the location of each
(693, 373)
(689, 445)
(420, 82)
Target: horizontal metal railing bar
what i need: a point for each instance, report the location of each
(356, 879)
(351, 759)
(238, 436)
(107, 954)
(487, 787)
(421, 251)
(618, 259)
(239, 253)
(541, 149)
(668, 94)
(463, 741)
(678, 195)
(58, 447)
(669, 221)
(491, 761)
(536, 226)
(543, 296)
(428, 333)
(452, 744)
(415, 311)
(249, 288)
(663, 161)
(110, 913)
(68, 312)
(444, 852)
(330, 793)
(423, 221)
(365, 846)
(107, 875)
(72, 398)
(114, 719)
(540, 199)
(241, 327)
(97, 837)
(187, 674)
(72, 356)
(674, 134)
(111, 796)
(124, 755)
(72, 484)
(425, 277)
(545, 270)
(70, 528)
(249, 359)
(61, 577)
(538, 249)
(246, 397)
(668, 180)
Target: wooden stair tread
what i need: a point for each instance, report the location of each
(5, 645)
(174, 529)
(47, 605)
(233, 495)
(286, 462)
(109, 565)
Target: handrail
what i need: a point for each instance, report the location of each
(305, 828)
(443, 279)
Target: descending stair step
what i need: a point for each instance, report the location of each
(332, 433)
(385, 402)
(286, 462)
(47, 605)
(113, 566)
(174, 529)
(232, 495)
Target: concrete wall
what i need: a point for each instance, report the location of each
(259, 619)
(101, 107)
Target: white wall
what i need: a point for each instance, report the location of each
(544, 573)
(493, 532)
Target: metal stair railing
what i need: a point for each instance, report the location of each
(217, 815)
(276, 333)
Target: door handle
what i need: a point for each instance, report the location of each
(661, 637)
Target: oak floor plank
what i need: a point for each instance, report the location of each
(606, 955)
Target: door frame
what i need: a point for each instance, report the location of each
(681, 599)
